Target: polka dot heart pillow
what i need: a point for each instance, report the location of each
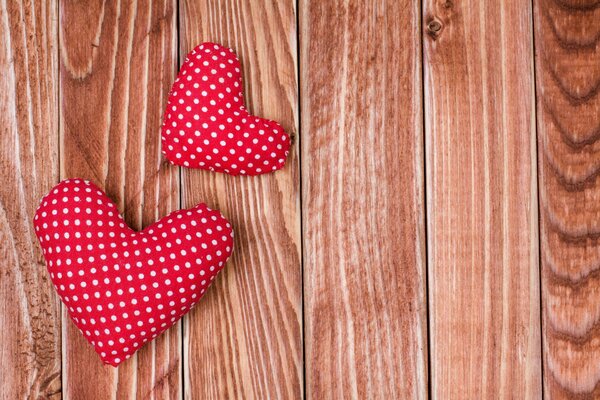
(206, 124)
(123, 288)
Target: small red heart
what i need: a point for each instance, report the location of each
(123, 288)
(206, 124)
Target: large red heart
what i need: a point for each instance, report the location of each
(123, 288)
(206, 124)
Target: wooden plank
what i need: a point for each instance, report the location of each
(30, 316)
(363, 200)
(118, 61)
(482, 200)
(244, 339)
(567, 41)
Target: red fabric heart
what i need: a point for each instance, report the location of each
(206, 124)
(123, 288)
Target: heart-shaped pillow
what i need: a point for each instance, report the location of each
(123, 288)
(206, 124)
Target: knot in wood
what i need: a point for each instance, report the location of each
(434, 28)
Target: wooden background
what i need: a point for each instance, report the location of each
(435, 233)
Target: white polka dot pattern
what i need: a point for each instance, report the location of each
(123, 288)
(206, 124)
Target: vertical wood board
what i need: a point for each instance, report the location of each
(363, 200)
(30, 315)
(117, 64)
(484, 309)
(567, 41)
(244, 339)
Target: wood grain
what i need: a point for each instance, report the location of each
(118, 61)
(244, 340)
(481, 200)
(419, 225)
(568, 80)
(363, 200)
(30, 313)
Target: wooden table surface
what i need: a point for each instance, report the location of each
(434, 234)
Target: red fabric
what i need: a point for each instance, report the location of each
(123, 288)
(206, 124)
